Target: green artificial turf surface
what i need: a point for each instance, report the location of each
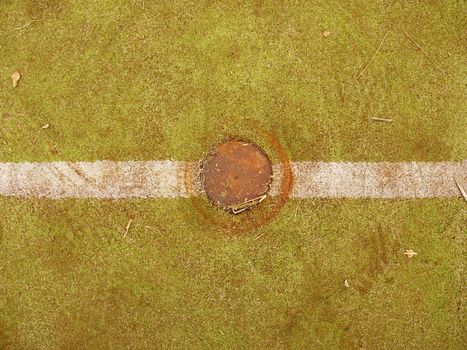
(143, 80)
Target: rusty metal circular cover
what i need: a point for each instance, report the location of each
(236, 176)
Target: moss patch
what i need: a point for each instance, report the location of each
(177, 282)
(136, 80)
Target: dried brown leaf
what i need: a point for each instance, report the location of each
(409, 253)
(15, 77)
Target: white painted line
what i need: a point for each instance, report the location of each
(101, 179)
(377, 180)
(169, 179)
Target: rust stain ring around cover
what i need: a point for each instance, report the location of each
(257, 217)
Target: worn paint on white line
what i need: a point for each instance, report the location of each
(168, 179)
(101, 179)
(377, 180)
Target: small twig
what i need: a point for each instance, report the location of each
(127, 228)
(259, 236)
(374, 55)
(238, 208)
(296, 210)
(27, 24)
(382, 119)
(464, 194)
(424, 52)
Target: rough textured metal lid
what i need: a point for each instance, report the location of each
(236, 175)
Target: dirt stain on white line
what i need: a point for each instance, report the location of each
(167, 179)
(101, 179)
(377, 179)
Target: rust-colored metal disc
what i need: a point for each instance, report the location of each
(236, 173)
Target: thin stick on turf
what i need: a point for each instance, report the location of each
(296, 210)
(128, 228)
(260, 235)
(382, 119)
(374, 55)
(238, 208)
(28, 24)
(424, 52)
(461, 189)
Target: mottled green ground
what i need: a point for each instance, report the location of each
(134, 80)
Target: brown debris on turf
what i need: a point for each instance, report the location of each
(382, 119)
(127, 228)
(410, 253)
(15, 77)
(374, 55)
(27, 24)
(424, 52)
(238, 208)
(464, 194)
(260, 235)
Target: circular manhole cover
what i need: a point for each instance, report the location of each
(236, 176)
